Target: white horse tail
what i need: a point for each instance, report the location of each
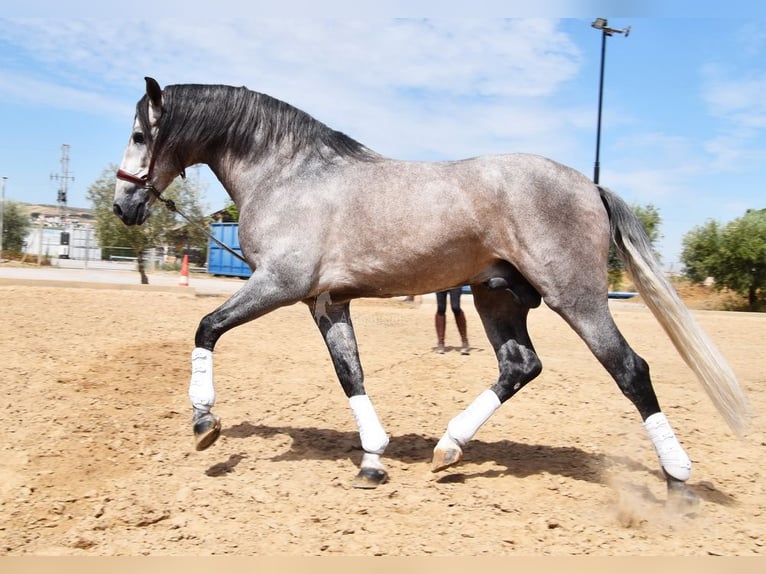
(692, 343)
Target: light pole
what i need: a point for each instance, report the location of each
(2, 213)
(601, 24)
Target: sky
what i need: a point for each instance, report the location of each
(684, 112)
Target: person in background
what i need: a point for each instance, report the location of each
(441, 319)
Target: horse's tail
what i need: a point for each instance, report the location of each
(693, 345)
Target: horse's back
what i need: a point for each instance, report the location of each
(405, 227)
(505, 203)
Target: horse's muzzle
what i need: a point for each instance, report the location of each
(136, 215)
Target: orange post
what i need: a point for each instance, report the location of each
(184, 281)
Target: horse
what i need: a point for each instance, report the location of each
(325, 220)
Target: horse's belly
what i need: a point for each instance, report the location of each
(402, 274)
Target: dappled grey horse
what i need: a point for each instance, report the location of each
(324, 220)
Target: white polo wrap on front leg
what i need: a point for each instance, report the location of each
(372, 433)
(464, 426)
(201, 390)
(672, 456)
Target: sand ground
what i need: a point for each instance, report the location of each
(98, 458)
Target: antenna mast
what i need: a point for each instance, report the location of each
(63, 178)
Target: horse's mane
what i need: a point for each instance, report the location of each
(241, 122)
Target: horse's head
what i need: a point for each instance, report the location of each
(140, 178)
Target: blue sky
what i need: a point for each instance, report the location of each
(684, 124)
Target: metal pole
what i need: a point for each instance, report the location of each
(602, 24)
(2, 214)
(597, 165)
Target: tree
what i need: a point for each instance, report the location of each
(184, 236)
(163, 229)
(744, 256)
(651, 220)
(233, 211)
(701, 248)
(734, 255)
(16, 225)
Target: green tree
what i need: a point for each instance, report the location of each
(734, 255)
(184, 236)
(651, 221)
(16, 225)
(701, 249)
(233, 211)
(163, 229)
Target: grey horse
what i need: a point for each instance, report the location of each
(324, 220)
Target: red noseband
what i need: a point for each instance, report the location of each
(134, 179)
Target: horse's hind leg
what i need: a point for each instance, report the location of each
(505, 322)
(334, 322)
(589, 316)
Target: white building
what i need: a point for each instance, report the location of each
(67, 243)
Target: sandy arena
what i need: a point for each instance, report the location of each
(98, 458)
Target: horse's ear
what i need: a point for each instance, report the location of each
(154, 92)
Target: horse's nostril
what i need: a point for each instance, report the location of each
(117, 210)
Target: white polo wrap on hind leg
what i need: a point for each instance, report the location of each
(464, 426)
(201, 391)
(372, 433)
(673, 458)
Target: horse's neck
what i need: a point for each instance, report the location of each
(251, 179)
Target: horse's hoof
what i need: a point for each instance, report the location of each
(207, 429)
(681, 498)
(370, 478)
(446, 453)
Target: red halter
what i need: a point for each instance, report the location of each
(144, 181)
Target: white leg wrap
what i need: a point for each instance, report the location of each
(370, 460)
(462, 428)
(374, 437)
(673, 458)
(201, 391)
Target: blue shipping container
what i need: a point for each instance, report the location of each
(220, 261)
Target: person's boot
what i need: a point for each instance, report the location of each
(441, 325)
(462, 327)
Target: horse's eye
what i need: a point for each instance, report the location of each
(138, 138)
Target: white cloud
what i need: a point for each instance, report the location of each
(414, 88)
(458, 57)
(198, 11)
(735, 99)
(739, 100)
(734, 153)
(33, 91)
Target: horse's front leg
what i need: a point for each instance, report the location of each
(261, 294)
(206, 425)
(334, 322)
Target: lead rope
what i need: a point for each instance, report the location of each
(144, 181)
(171, 205)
